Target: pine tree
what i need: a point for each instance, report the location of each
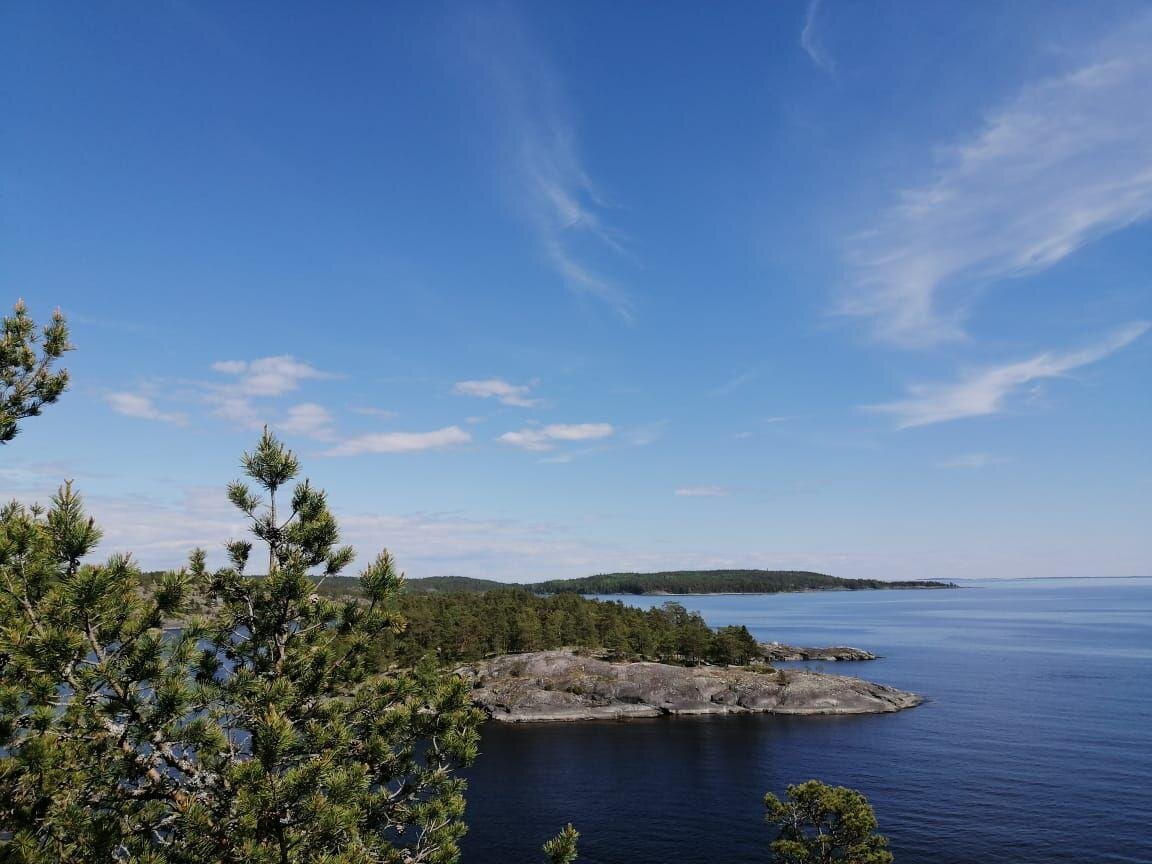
(561, 849)
(820, 824)
(255, 732)
(27, 380)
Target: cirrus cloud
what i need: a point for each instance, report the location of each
(1063, 163)
(561, 202)
(986, 391)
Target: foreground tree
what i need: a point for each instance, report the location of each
(27, 379)
(561, 849)
(821, 824)
(256, 731)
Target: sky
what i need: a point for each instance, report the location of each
(545, 290)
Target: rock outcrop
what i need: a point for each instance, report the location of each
(563, 685)
(776, 651)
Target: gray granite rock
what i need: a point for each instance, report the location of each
(780, 653)
(563, 685)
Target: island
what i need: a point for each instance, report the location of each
(570, 685)
(723, 582)
(780, 653)
(676, 582)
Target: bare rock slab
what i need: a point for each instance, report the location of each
(780, 653)
(564, 686)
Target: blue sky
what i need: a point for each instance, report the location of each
(552, 289)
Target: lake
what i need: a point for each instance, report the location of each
(1035, 746)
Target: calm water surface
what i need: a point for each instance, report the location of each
(1035, 746)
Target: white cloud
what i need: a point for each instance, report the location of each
(310, 419)
(268, 376)
(971, 460)
(371, 411)
(539, 439)
(264, 377)
(1063, 163)
(811, 43)
(701, 492)
(236, 409)
(499, 389)
(560, 201)
(142, 407)
(402, 442)
(985, 391)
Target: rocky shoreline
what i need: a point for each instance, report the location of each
(563, 685)
(780, 653)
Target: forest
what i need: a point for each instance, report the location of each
(666, 582)
(464, 626)
(720, 582)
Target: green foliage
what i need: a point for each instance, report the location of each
(259, 731)
(431, 584)
(718, 582)
(467, 626)
(27, 381)
(821, 824)
(561, 849)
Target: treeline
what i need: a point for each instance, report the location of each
(435, 584)
(668, 582)
(468, 626)
(719, 582)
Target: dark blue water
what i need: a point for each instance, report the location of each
(1035, 746)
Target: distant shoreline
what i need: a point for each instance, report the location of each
(678, 583)
(770, 593)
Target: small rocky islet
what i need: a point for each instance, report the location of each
(778, 652)
(568, 685)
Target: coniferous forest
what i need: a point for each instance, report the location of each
(468, 626)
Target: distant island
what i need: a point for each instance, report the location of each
(676, 582)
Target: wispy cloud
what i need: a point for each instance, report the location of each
(309, 419)
(987, 391)
(1064, 162)
(701, 492)
(736, 382)
(561, 202)
(810, 42)
(498, 389)
(543, 438)
(371, 411)
(649, 433)
(971, 460)
(402, 442)
(143, 408)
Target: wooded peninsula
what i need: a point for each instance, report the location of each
(678, 582)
